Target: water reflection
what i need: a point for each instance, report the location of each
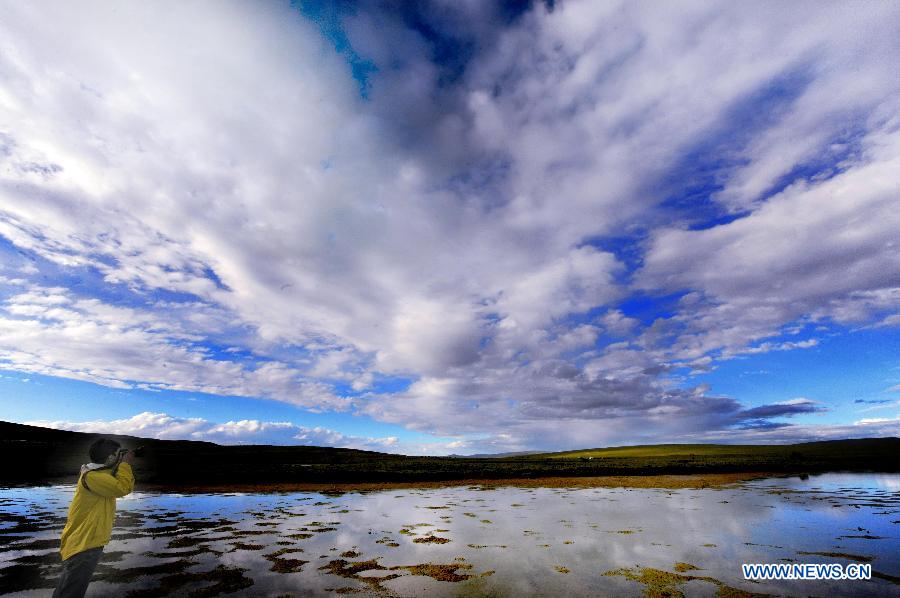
(452, 541)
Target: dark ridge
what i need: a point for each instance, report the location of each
(33, 455)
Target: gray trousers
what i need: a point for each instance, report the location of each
(76, 573)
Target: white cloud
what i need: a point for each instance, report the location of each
(815, 251)
(877, 420)
(48, 333)
(168, 427)
(785, 346)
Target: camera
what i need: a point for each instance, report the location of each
(138, 452)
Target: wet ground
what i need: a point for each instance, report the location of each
(474, 541)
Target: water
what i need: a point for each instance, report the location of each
(471, 541)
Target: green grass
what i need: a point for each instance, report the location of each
(665, 450)
(837, 449)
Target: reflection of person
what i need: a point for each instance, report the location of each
(91, 514)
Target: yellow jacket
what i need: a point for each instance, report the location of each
(91, 513)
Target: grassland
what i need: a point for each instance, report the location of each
(666, 450)
(867, 454)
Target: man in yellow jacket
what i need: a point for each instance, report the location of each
(91, 514)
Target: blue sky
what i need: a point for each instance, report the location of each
(451, 227)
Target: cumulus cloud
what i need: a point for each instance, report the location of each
(777, 265)
(459, 195)
(166, 427)
(47, 332)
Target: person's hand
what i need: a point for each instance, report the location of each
(129, 458)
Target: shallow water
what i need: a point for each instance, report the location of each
(470, 541)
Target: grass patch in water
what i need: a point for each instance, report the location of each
(283, 551)
(280, 565)
(659, 583)
(245, 546)
(682, 567)
(439, 572)
(171, 554)
(430, 539)
(20, 577)
(224, 580)
(891, 578)
(192, 541)
(453, 572)
(352, 570)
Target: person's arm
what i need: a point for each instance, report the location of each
(105, 484)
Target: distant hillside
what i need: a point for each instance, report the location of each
(864, 454)
(40, 455)
(497, 455)
(826, 447)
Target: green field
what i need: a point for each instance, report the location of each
(853, 454)
(666, 450)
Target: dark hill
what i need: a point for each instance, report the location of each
(39, 455)
(36, 454)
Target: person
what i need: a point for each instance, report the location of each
(89, 524)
